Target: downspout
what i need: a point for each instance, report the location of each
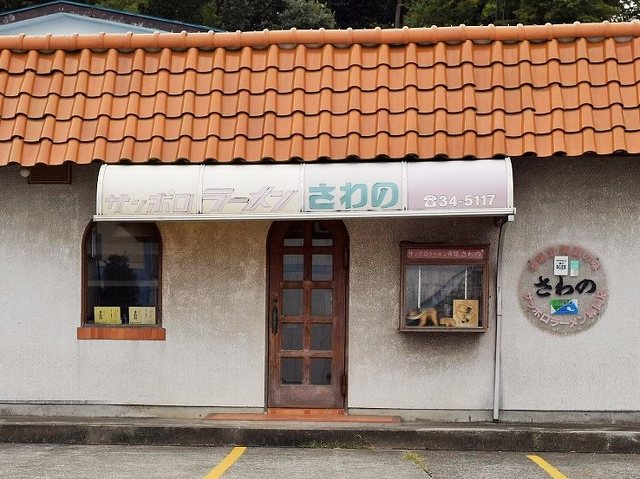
(498, 339)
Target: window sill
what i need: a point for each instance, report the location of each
(441, 329)
(122, 333)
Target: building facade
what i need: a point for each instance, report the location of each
(196, 296)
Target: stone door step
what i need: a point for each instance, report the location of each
(304, 415)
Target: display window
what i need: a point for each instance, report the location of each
(444, 288)
(121, 278)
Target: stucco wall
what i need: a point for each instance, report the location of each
(389, 369)
(594, 203)
(213, 305)
(214, 352)
(590, 202)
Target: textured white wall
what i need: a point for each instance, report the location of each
(594, 203)
(213, 305)
(214, 351)
(389, 369)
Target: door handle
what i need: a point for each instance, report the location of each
(274, 317)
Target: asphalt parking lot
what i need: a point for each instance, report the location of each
(160, 462)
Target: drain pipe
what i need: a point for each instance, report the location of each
(498, 340)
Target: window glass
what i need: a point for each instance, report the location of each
(321, 267)
(291, 370)
(321, 336)
(443, 287)
(292, 302)
(291, 337)
(320, 371)
(436, 292)
(295, 235)
(292, 267)
(321, 302)
(321, 235)
(122, 263)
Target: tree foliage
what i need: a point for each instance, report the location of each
(443, 12)
(273, 14)
(567, 11)
(306, 14)
(363, 13)
(501, 12)
(184, 10)
(7, 5)
(250, 14)
(134, 6)
(629, 11)
(238, 14)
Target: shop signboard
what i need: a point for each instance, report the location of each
(144, 190)
(353, 187)
(251, 190)
(142, 315)
(563, 289)
(107, 315)
(459, 185)
(318, 190)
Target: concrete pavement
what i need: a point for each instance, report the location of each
(407, 435)
(58, 461)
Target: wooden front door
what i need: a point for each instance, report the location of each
(307, 314)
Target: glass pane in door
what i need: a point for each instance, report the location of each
(320, 371)
(321, 302)
(321, 336)
(293, 267)
(321, 267)
(292, 337)
(295, 235)
(291, 370)
(292, 302)
(321, 235)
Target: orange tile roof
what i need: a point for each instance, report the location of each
(281, 95)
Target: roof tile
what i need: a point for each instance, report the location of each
(162, 101)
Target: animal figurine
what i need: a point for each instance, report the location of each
(423, 317)
(449, 322)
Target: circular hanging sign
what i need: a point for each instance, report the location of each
(563, 289)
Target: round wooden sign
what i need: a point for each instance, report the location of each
(563, 289)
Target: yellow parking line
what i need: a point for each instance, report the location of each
(549, 469)
(226, 463)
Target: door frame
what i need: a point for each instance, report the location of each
(267, 314)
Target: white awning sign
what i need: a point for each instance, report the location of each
(333, 190)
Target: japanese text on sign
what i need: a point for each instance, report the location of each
(575, 251)
(431, 253)
(337, 189)
(268, 198)
(349, 196)
(558, 295)
(157, 203)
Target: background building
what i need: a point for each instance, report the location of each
(61, 18)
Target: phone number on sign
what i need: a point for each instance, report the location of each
(433, 201)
